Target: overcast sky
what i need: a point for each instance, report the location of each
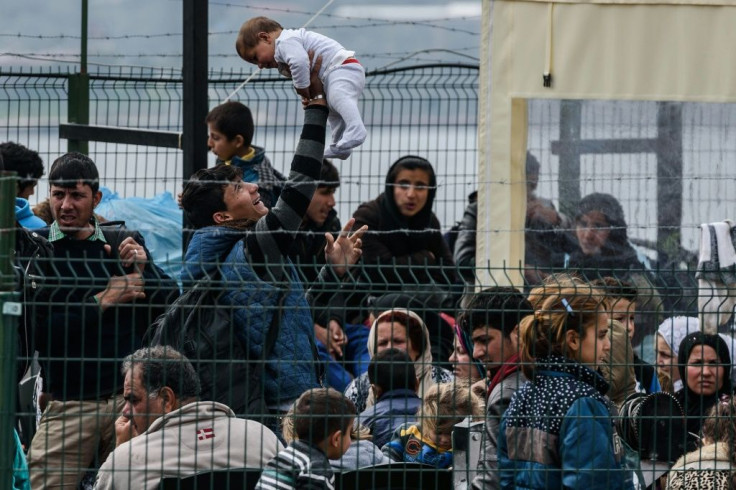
(148, 32)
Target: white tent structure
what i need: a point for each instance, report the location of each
(665, 50)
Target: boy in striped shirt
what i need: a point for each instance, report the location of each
(323, 420)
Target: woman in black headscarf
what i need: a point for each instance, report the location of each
(603, 244)
(403, 247)
(704, 363)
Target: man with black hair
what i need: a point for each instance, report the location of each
(491, 319)
(104, 292)
(244, 246)
(394, 383)
(341, 346)
(174, 432)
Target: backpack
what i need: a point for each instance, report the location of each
(204, 331)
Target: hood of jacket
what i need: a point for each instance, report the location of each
(24, 215)
(391, 216)
(422, 365)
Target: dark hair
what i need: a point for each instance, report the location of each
(164, 366)
(616, 289)
(320, 412)
(609, 206)
(248, 35)
(532, 164)
(496, 307)
(392, 369)
(204, 194)
(717, 344)
(73, 167)
(232, 119)
(411, 162)
(26, 163)
(328, 175)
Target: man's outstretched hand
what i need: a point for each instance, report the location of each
(346, 250)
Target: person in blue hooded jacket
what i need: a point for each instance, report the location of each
(558, 431)
(245, 246)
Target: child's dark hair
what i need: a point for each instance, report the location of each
(320, 412)
(25, 162)
(616, 289)
(204, 194)
(232, 119)
(328, 175)
(73, 167)
(392, 369)
(496, 307)
(248, 35)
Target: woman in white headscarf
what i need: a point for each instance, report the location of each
(403, 329)
(669, 336)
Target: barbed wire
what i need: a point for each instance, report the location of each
(334, 16)
(373, 23)
(397, 55)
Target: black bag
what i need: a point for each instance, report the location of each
(204, 331)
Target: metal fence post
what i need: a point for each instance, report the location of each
(78, 108)
(78, 98)
(194, 101)
(9, 310)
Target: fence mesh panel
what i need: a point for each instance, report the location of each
(664, 165)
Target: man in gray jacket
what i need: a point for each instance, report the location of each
(166, 431)
(491, 319)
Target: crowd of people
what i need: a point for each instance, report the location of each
(368, 343)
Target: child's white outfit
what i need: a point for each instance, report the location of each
(343, 79)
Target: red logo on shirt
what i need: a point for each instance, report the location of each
(208, 433)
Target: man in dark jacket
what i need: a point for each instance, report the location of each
(342, 347)
(104, 291)
(245, 246)
(491, 319)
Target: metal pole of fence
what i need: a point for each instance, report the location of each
(194, 100)
(10, 309)
(78, 98)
